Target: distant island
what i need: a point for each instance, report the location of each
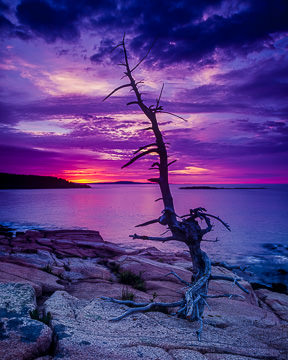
(13, 181)
(218, 188)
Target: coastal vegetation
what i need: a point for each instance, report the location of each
(127, 294)
(129, 278)
(15, 181)
(44, 318)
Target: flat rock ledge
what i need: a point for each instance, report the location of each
(66, 272)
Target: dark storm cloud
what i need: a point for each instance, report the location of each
(5, 24)
(3, 6)
(268, 80)
(104, 48)
(242, 31)
(7, 28)
(185, 30)
(263, 88)
(222, 102)
(266, 127)
(260, 89)
(48, 21)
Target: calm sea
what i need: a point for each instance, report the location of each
(258, 218)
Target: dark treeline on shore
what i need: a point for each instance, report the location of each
(13, 181)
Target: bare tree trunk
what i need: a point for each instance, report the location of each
(186, 228)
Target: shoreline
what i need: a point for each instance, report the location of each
(65, 273)
(254, 273)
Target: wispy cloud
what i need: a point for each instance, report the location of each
(224, 64)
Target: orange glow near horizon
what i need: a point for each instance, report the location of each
(177, 181)
(93, 179)
(111, 172)
(93, 176)
(197, 179)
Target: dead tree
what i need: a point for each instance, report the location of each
(184, 228)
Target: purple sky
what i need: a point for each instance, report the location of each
(225, 69)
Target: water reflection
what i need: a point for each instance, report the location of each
(256, 217)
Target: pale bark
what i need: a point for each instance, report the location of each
(185, 228)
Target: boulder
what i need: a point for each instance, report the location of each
(63, 243)
(17, 298)
(225, 312)
(220, 287)
(151, 269)
(39, 259)
(276, 301)
(77, 269)
(21, 337)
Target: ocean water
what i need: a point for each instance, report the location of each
(258, 219)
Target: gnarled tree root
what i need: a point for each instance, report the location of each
(191, 307)
(141, 307)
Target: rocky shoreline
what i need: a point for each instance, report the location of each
(51, 284)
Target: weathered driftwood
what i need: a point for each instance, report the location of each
(184, 228)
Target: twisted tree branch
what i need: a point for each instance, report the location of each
(185, 228)
(148, 223)
(118, 88)
(154, 150)
(144, 147)
(153, 238)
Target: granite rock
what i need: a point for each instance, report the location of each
(21, 337)
(249, 326)
(83, 328)
(41, 280)
(277, 302)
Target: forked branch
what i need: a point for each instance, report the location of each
(144, 57)
(154, 150)
(172, 114)
(141, 307)
(199, 213)
(159, 98)
(144, 147)
(115, 90)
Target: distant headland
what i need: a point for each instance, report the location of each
(13, 181)
(218, 188)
